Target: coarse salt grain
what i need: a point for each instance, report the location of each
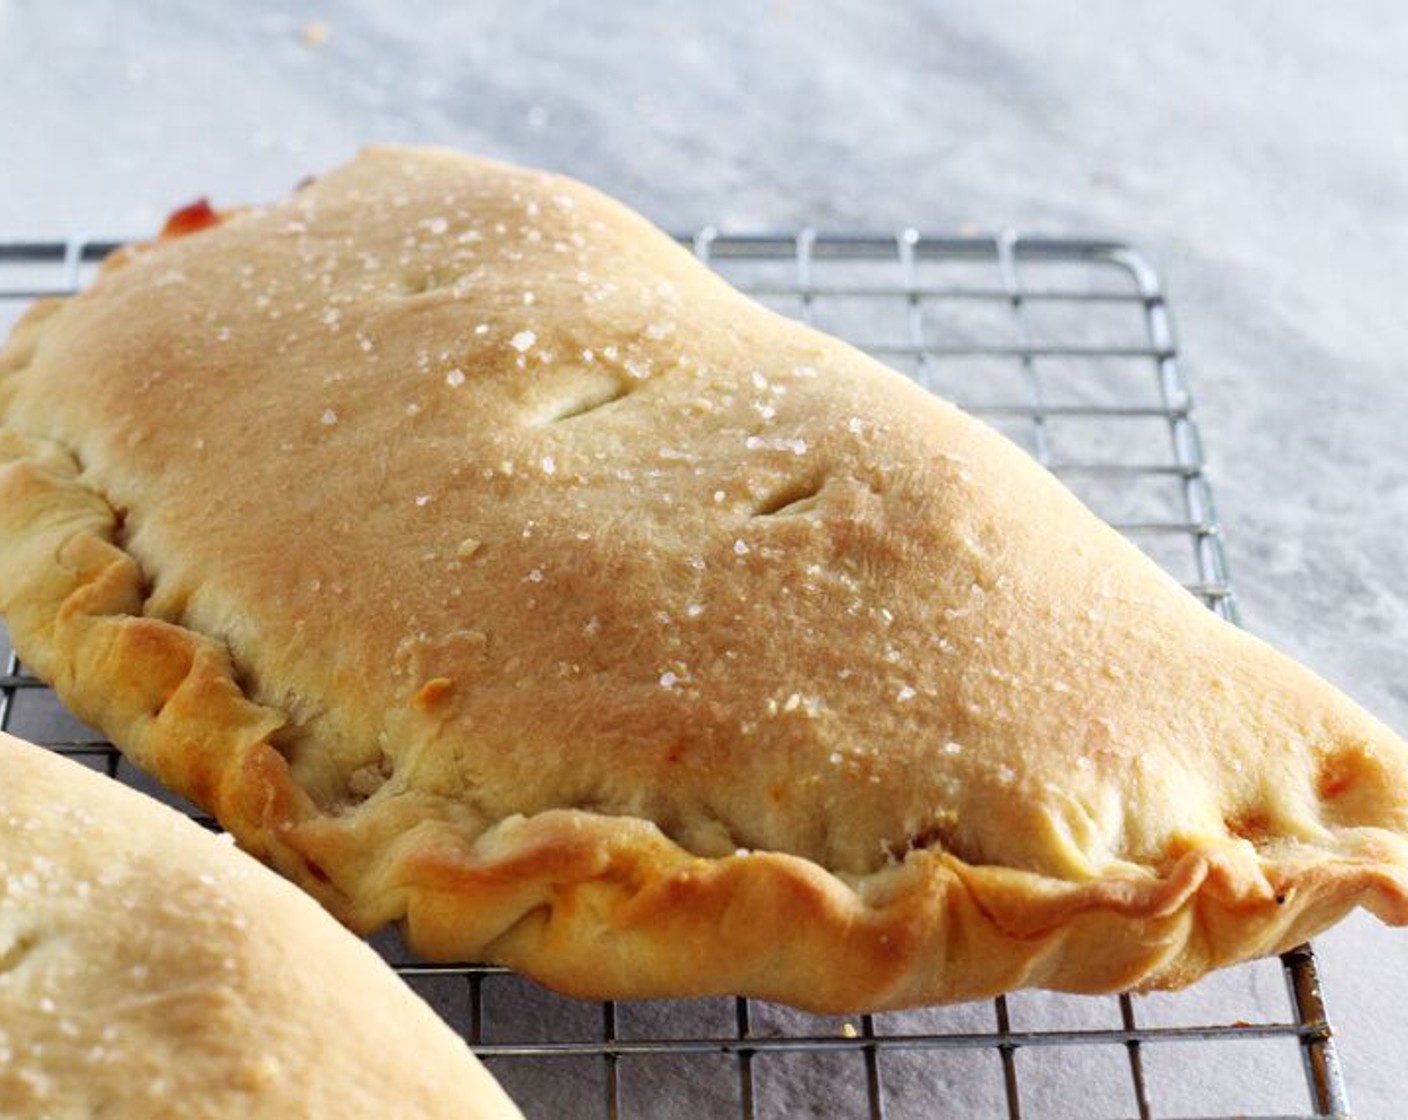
(329, 417)
(523, 341)
(758, 443)
(455, 378)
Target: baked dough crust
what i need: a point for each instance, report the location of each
(484, 562)
(147, 969)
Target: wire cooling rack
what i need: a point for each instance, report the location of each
(1067, 346)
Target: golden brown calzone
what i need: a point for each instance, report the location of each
(484, 562)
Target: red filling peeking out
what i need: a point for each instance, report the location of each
(190, 219)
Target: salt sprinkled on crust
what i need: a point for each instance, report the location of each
(758, 443)
(329, 417)
(523, 341)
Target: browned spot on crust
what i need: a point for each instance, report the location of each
(433, 691)
(1251, 826)
(1333, 779)
(935, 835)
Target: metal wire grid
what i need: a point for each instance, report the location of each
(1068, 347)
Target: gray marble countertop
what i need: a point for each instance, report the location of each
(1257, 152)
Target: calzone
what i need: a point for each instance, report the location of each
(149, 970)
(487, 565)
